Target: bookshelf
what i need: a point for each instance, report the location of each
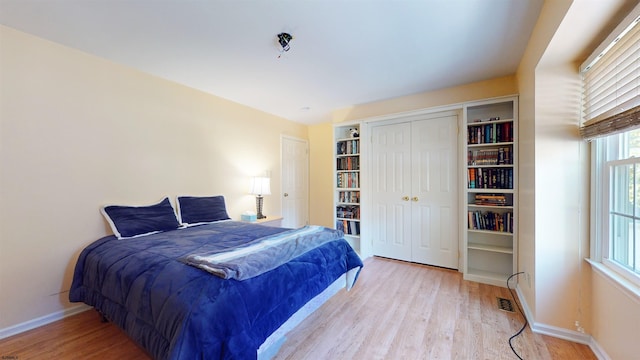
(490, 191)
(347, 182)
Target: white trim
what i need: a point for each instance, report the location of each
(631, 278)
(346, 123)
(291, 137)
(525, 306)
(620, 30)
(598, 351)
(621, 283)
(283, 138)
(595, 230)
(550, 330)
(607, 256)
(41, 321)
(408, 115)
(560, 333)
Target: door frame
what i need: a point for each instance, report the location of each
(284, 138)
(421, 114)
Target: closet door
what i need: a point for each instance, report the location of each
(391, 190)
(434, 196)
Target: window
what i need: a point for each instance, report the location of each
(611, 120)
(619, 183)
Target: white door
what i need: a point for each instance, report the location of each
(295, 182)
(413, 191)
(390, 191)
(434, 196)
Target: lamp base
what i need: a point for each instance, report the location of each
(259, 200)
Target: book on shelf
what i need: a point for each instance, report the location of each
(349, 197)
(348, 147)
(348, 163)
(472, 178)
(353, 227)
(348, 212)
(490, 199)
(490, 178)
(348, 180)
(478, 133)
(497, 156)
(348, 227)
(490, 221)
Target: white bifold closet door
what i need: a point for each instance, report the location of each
(414, 191)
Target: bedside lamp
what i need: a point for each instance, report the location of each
(260, 186)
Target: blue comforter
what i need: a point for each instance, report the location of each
(177, 311)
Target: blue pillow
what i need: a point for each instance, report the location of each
(134, 221)
(194, 210)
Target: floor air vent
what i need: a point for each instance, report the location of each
(505, 304)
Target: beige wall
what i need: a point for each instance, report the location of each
(616, 318)
(321, 170)
(554, 180)
(78, 132)
(550, 17)
(455, 95)
(561, 199)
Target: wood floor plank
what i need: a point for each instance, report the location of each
(408, 342)
(480, 330)
(82, 336)
(397, 310)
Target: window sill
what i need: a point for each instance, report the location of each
(629, 288)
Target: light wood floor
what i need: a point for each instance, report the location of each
(396, 310)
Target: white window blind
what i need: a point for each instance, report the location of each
(611, 82)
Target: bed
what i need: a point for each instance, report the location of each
(172, 308)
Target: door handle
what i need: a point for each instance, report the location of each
(415, 198)
(405, 198)
(286, 194)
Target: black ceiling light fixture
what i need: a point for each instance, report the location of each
(283, 40)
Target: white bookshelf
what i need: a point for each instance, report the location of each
(347, 182)
(490, 192)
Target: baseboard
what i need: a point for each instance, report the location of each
(560, 333)
(43, 320)
(598, 350)
(525, 306)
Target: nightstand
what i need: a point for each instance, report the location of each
(273, 221)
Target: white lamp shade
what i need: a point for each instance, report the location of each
(261, 186)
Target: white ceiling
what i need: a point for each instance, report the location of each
(344, 53)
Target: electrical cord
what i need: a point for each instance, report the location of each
(521, 312)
